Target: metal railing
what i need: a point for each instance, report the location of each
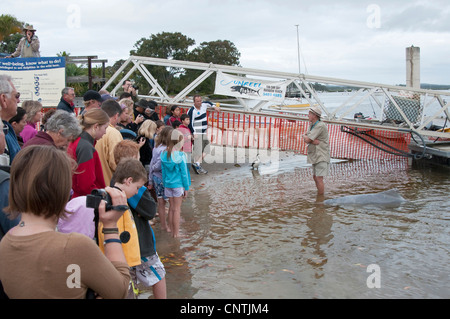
(395, 108)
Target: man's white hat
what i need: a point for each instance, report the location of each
(316, 110)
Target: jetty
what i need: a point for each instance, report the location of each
(404, 121)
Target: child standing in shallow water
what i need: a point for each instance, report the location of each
(155, 174)
(184, 128)
(176, 179)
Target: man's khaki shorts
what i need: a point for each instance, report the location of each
(321, 169)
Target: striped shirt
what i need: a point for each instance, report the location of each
(199, 119)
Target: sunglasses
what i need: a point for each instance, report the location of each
(17, 96)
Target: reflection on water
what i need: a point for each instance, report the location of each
(248, 235)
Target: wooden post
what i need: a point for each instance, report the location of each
(90, 72)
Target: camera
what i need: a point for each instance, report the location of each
(134, 86)
(97, 195)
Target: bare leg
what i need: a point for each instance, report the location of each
(319, 184)
(176, 212)
(170, 215)
(162, 213)
(159, 289)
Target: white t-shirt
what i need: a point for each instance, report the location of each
(199, 119)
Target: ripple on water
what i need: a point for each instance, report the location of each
(271, 237)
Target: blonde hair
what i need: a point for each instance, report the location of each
(163, 137)
(128, 104)
(175, 142)
(148, 129)
(92, 117)
(31, 108)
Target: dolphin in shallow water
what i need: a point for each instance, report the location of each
(386, 198)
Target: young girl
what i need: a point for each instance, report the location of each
(34, 114)
(176, 113)
(188, 138)
(155, 173)
(146, 132)
(176, 178)
(89, 173)
(159, 126)
(126, 118)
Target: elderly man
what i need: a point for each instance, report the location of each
(67, 98)
(60, 129)
(318, 148)
(4, 159)
(9, 97)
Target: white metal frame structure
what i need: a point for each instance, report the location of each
(382, 95)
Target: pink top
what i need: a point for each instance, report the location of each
(29, 131)
(187, 147)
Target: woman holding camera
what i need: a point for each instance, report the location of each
(89, 174)
(38, 262)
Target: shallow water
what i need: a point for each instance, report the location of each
(267, 235)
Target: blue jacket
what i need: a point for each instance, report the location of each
(11, 142)
(64, 105)
(174, 170)
(5, 223)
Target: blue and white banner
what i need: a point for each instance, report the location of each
(250, 88)
(37, 79)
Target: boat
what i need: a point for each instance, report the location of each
(292, 106)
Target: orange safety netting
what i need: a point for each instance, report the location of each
(265, 132)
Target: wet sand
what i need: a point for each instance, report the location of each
(266, 234)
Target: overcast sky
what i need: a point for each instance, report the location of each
(348, 39)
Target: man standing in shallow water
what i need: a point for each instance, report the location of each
(318, 148)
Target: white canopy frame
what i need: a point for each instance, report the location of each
(381, 94)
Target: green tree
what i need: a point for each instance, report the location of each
(163, 45)
(222, 52)
(177, 46)
(10, 33)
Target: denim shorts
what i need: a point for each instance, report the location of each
(174, 192)
(159, 187)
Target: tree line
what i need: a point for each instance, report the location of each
(164, 45)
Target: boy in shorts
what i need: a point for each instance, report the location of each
(150, 272)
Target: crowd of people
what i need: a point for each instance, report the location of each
(55, 164)
(81, 189)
